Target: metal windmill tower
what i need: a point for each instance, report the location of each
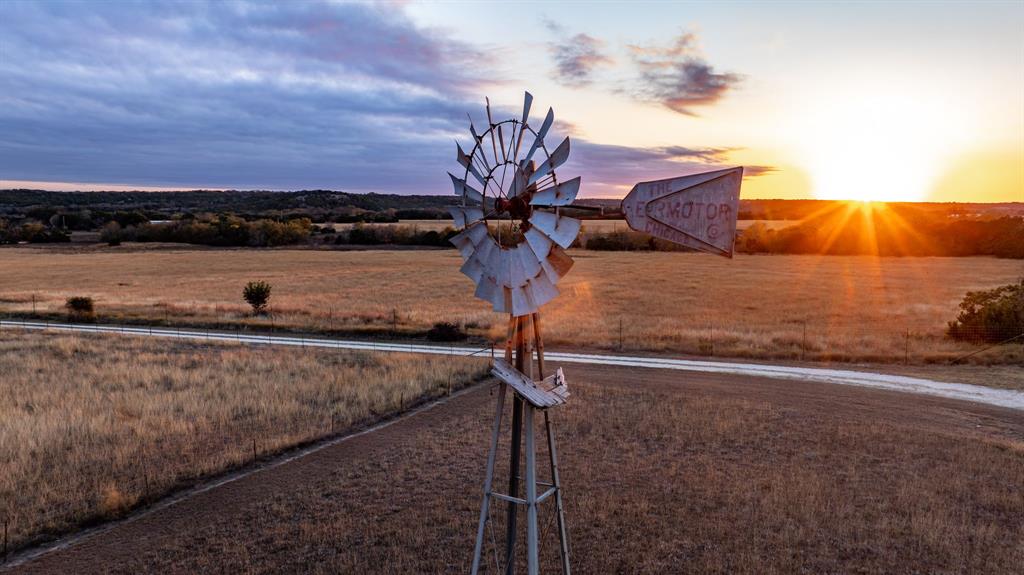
(513, 243)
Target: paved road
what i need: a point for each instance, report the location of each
(976, 393)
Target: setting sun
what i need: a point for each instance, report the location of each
(878, 147)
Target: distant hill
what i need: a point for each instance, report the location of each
(219, 201)
(328, 205)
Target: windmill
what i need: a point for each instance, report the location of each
(513, 239)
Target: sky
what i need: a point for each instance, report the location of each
(868, 101)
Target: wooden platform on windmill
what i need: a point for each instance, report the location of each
(548, 392)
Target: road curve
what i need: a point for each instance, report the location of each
(976, 393)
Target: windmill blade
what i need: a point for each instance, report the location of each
(561, 229)
(561, 195)
(503, 305)
(539, 243)
(530, 262)
(527, 102)
(502, 271)
(557, 264)
(476, 265)
(543, 131)
(522, 302)
(517, 275)
(465, 190)
(501, 140)
(470, 238)
(488, 290)
(473, 269)
(542, 289)
(490, 124)
(478, 139)
(468, 164)
(465, 216)
(557, 158)
(518, 184)
(472, 129)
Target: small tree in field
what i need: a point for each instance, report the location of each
(257, 294)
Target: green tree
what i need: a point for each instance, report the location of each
(990, 316)
(257, 295)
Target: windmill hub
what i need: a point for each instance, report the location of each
(517, 208)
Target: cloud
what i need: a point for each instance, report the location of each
(354, 97)
(757, 171)
(289, 95)
(678, 77)
(577, 57)
(610, 171)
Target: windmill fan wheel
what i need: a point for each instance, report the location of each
(513, 238)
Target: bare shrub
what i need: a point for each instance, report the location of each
(446, 331)
(80, 308)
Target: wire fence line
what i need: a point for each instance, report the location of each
(809, 339)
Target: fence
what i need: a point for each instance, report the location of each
(811, 338)
(819, 340)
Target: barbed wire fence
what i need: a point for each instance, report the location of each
(809, 339)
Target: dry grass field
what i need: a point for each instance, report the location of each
(664, 473)
(784, 307)
(588, 225)
(92, 426)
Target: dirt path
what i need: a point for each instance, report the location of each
(992, 395)
(405, 498)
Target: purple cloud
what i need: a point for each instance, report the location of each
(285, 95)
(577, 57)
(291, 95)
(678, 77)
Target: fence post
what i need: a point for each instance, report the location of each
(394, 321)
(620, 333)
(906, 349)
(803, 343)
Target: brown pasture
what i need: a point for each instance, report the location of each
(835, 308)
(92, 426)
(664, 472)
(603, 226)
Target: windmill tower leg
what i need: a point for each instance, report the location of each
(488, 480)
(513, 484)
(511, 533)
(524, 428)
(563, 535)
